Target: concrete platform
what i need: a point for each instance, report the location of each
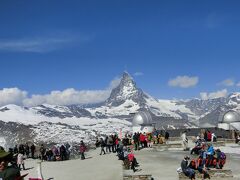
(160, 165)
(94, 167)
(164, 164)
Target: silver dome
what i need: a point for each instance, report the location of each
(141, 118)
(230, 117)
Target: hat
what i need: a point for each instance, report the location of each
(186, 157)
(3, 154)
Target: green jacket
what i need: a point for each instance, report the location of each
(9, 173)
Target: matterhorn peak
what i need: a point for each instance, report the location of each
(126, 75)
(127, 82)
(126, 90)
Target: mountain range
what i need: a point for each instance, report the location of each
(72, 123)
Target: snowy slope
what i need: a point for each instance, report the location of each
(125, 108)
(169, 108)
(54, 129)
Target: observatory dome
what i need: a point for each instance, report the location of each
(142, 118)
(231, 117)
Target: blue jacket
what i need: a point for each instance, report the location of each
(210, 150)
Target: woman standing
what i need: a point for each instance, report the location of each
(20, 160)
(82, 150)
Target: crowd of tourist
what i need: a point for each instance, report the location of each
(208, 156)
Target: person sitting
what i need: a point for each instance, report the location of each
(220, 160)
(189, 172)
(120, 152)
(210, 154)
(198, 146)
(237, 140)
(194, 164)
(124, 157)
(132, 159)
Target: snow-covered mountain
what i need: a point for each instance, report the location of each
(54, 123)
(19, 124)
(232, 102)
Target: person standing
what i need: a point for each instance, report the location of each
(136, 141)
(82, 150)
(42, 152)
(184, 140)
(209, 136)
(213, 138)
(20, 160)
(205, 135)
(27, 150)
(102, 144)
(32, 150)
(166, 136)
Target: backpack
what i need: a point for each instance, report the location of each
(223, 155)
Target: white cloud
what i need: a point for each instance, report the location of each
(12, 96)
(42, 44)
(66, 97)
(138, 74)
(227, 82)
(183, 81)
(37, 45)
(114, 83)
(213, 95)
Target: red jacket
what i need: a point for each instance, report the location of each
(142, 138)
(82, 148)
(130, 157)
(209, 136)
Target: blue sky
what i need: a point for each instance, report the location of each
(53, 45)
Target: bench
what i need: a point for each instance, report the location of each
(227, 140)
(137, 177)
(126, 164)
(214, 174)
(129, 175)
